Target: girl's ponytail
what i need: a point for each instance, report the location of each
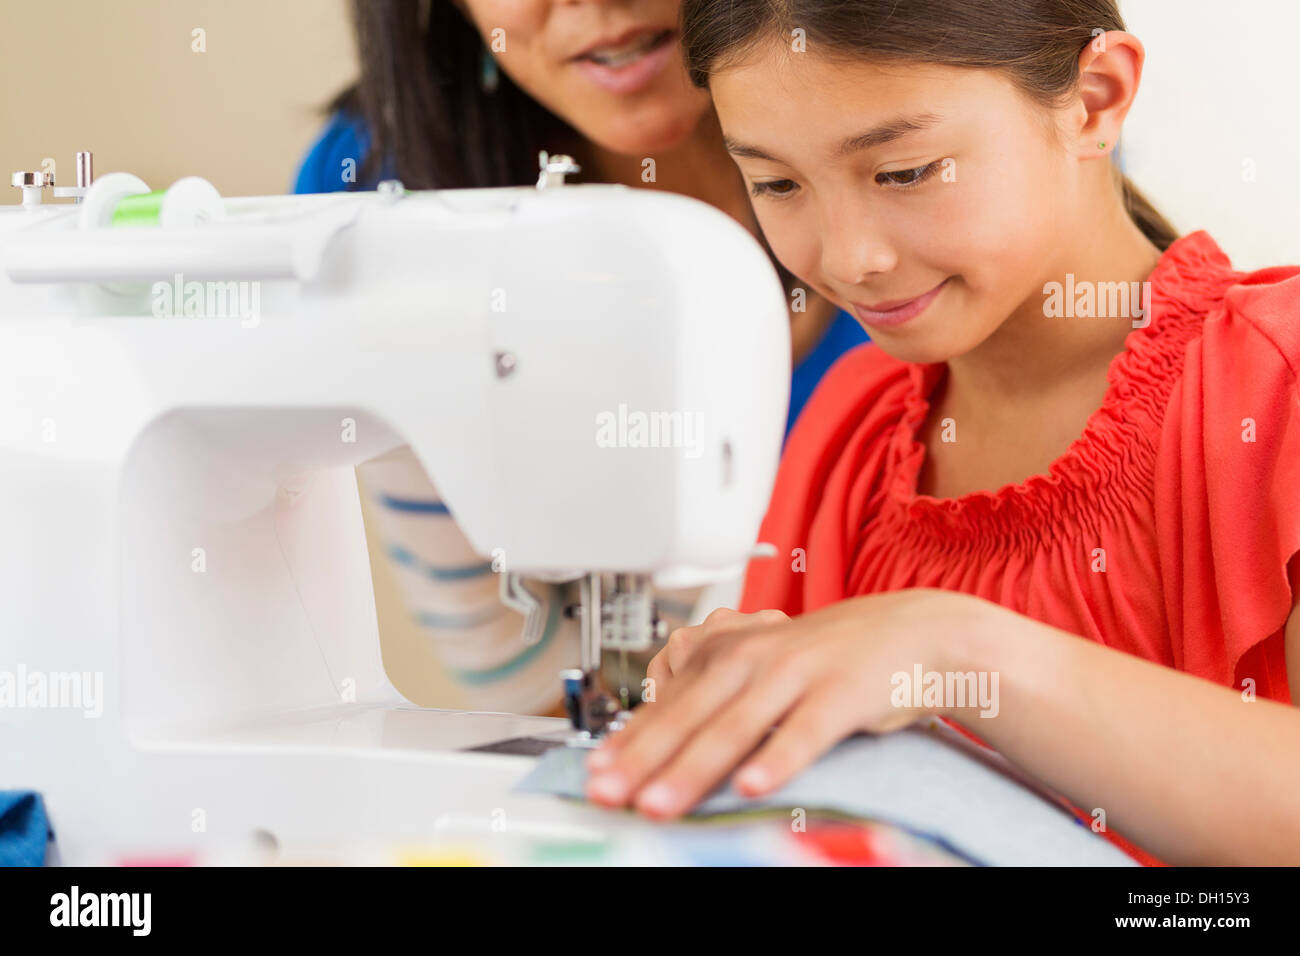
(1148, 218)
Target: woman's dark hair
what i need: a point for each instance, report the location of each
(430, 119)
(1036, 43)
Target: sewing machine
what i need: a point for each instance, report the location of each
(187, 383)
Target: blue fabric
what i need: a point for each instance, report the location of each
(24, 829)
(345, 138)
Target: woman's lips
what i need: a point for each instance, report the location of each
(897, 312)
(635, 75)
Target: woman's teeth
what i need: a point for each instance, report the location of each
(615, 57)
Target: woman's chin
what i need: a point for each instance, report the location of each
(645, 133)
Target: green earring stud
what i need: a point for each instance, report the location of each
(1101, 145)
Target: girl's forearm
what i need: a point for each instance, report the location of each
(1184, 768)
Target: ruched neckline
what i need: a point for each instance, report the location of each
(1113, 459)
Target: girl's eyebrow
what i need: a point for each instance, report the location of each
(880, 135)
(743, 149)
(887, 132)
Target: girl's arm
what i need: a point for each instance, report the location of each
(1187, 769)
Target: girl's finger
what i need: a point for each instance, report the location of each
(818, 722)
(656, 733)
(659, 676)
(658, 672)
(666, 668)
(684, 642)
(714, 751)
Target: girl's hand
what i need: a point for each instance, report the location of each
(817, 679)
(682, 642)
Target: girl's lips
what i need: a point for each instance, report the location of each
(897, 313)
(631, 77)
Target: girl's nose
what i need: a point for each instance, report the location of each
(854, 249)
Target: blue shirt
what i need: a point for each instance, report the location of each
(333, 164)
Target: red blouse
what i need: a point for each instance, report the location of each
(1184, 487)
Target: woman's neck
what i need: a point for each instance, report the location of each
(698, 167)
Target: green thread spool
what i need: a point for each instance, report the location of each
(142, 209)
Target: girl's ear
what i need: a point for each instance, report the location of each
(1110, 71)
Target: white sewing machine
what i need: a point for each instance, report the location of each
(186, 385)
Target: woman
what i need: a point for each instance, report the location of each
(465, 94)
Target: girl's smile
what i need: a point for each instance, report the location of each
(898, 311)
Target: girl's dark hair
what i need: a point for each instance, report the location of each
(1036, 43)
(430, 118)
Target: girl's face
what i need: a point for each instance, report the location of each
(611, 68)
(929, 201)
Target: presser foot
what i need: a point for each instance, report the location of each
(592, 712)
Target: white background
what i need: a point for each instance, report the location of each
(1221, 86)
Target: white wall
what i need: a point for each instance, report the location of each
(1221, 91)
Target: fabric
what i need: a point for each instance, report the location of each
(24, 829)
(926, 780)
(1184, 479)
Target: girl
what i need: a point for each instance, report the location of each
(464, 94)
(1097, 508)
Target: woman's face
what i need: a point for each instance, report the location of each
(940, 189)
(611, 68)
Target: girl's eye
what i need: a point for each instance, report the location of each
(907, 178)
(776, 189)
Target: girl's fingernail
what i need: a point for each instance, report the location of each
(657, 798)
(607, 787)
(598, 759)
(753, 779)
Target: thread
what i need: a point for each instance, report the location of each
(142, 209)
